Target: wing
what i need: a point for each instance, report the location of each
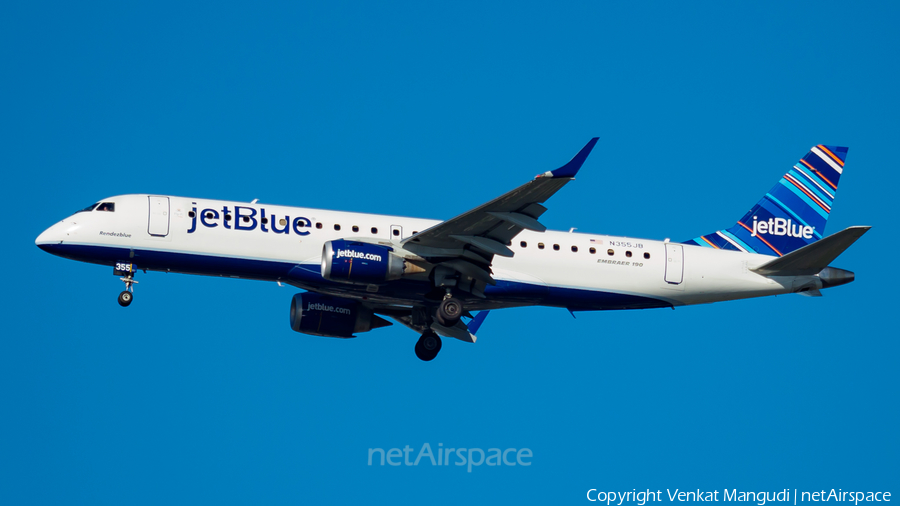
(463, 247)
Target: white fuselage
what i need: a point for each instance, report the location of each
(570, 270)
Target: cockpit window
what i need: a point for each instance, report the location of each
(88, 208)
(109, 207)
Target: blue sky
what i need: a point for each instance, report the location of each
(199, 392)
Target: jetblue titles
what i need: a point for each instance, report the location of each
(248, 218)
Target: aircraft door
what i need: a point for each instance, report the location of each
(159, 216)
(674, 263)
(396, 232)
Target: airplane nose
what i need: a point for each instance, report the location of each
(50, 237)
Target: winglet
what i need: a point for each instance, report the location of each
(571, 168)
(476, 322)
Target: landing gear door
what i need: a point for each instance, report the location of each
(674, 263)
(159, 216)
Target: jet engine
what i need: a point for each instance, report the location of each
(363, 263)
(322, 315)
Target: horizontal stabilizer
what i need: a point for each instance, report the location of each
(811, 259)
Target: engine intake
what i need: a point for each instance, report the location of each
(322, 315)
(362, 263)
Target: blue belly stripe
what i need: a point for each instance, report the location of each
(513, 293)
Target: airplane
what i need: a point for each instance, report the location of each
(430, 275)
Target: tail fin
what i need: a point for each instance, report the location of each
(793, 214)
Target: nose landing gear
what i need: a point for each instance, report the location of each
(127, 295)
(428, 346)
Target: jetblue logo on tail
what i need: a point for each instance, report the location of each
(782, 227)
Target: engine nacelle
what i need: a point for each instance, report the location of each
(360, 262)
(321, 315)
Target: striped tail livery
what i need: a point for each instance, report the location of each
(793, 214)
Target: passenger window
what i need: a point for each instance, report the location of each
(282, 222)
(247, 220)
(355, 228)
(191, 214)
(106, 206)
(540, 245)
(228, 217)
(523, 244)
(610, 252)
(396, 232)
(628, 254)
(318, 225)
(593, 251)
(415, 232)
(647, 256)
(337, 227)
(574, 249)
(556, 247)
(209, 216)
(265, 221)
(374, 231)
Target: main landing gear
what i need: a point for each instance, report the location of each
(127, 296)
(449, 311)
(429, 346)
(447, 314)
